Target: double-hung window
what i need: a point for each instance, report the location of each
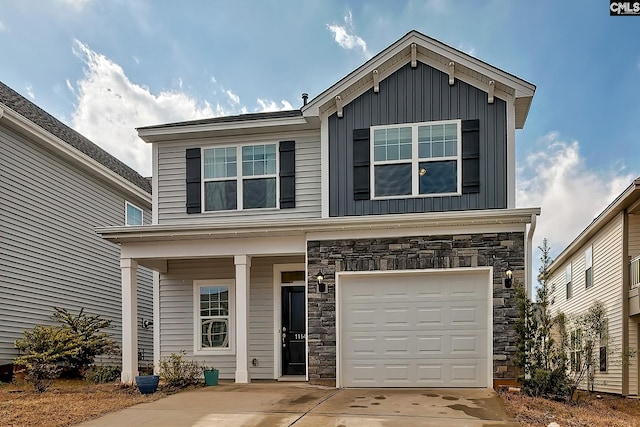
(568, 286)
(213, 315)
(420, 159)
(576, 350)
(240, 177)
(604, 339)
(133, 214)
(588, 267)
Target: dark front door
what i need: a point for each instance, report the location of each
(293, 331)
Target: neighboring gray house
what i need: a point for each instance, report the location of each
(56, 187)
(361, 241)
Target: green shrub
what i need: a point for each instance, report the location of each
(177, 372)
(102, 374)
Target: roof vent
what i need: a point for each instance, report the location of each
(305, 98)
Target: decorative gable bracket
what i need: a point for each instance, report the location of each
(452, 73)
(492, 89)
(339, 106)
(414, 55)
(376, 81)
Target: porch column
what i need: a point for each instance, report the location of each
(129, 269)
(243, 265)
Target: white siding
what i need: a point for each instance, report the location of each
(172, 187)
(177, 314)
(50, 255)
(607, 288)
(634, 235)
(633, 361)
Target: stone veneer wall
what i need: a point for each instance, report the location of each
(499, 250)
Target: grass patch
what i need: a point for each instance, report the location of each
(607, 410)
(66, 403)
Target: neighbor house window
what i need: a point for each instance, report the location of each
(588, 267)
(132, 214)
(240, 177)
(576, 350)
(604, 338)
(569, 287)
(213, 315)
(417, 159)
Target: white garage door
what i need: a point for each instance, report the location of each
(414, 330)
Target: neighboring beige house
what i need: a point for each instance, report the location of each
(603, 264)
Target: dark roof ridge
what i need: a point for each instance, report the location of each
(46, 121)
(281, 114)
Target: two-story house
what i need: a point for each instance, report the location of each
(603, 264)
(359, 241)
(56, 187)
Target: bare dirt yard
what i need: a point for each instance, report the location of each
(66, 403)
(591, 410)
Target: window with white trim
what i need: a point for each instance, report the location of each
(588, 267)
(213, 310)
(133, 215)
(419, 159)
(568, 286)
(575, 350)
(240, 177)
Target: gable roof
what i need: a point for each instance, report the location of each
(629, 199)
(435, 54)
(27, 109)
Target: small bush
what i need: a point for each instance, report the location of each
(550, 384)
(177, 372)
(102, 374)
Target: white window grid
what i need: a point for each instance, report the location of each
(415, 159)
(211, 320)
(127, 217)
(239, 176)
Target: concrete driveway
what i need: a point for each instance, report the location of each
(272, 404)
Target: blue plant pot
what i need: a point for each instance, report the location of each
(147, 384)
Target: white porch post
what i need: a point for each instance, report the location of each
(129, 269)
(243, 265)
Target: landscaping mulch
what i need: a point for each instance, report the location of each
(66, 403)
(590, 410)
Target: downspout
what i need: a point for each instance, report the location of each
(625, 302)
(528, 265)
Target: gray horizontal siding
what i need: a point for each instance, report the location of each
(50, 255)
(176, 306)
(172, 187)
(419, 95)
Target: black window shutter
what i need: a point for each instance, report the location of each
(287, 174)
(193, 181)
(470, 156)
(361, 164)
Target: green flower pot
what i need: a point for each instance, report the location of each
(211, 377)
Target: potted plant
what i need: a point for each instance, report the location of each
(147, 384)
(210, 375)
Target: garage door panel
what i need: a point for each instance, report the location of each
(414, 330)
(434, 373)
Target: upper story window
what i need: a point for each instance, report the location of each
(419, 159)
(588, 267)
(568, 286)
(132, 214)
(240, 177)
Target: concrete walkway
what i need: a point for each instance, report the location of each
(264, 404)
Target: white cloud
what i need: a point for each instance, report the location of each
(345, 37)
(438, 6)
(3, 27)
(30, 92)
(268, 105)
(556, 178)
(110, 107)
(469, 50)
(76, 4)
(233, 98)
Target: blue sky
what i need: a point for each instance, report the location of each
(106, 67)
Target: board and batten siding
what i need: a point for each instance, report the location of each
(50, 255)
(607, 288)
(416, 95)
(177, 320)
(172, 197)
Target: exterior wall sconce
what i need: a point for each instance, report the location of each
(508, 278)
(322, 287)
